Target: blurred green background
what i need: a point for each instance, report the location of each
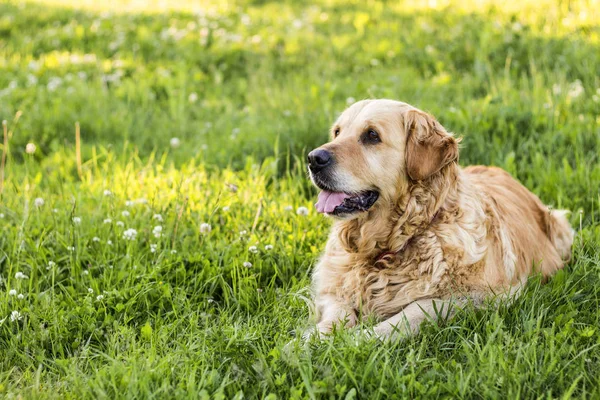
(519, 80)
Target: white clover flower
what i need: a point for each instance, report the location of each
(153, 248)
(157, 231)
(205, 228)
(99, 297)
(120, 223)
(38, 202)
(247, 264)
(288, 208)
(109, 242)
(556, 89)
(243, 233)
(517, 27)
(12, 292)
(193, 97)
(30, 148)
(1, 216)
(71, 248)
(226, 208)
(175, 142)
(76, 220)
(575, 89)
(108, 221)
(173, 251)
(55, 210)
(269, 247)
(15, 316)
(86, 272)
(21, 296)
(95, 239)
(158, 217)
(90, 290)
(130, 234)
(125, 213)
(253, 249)
(107, 193)
(302, 211)
(51, 264)
(20, 275)
(129, 203)
(53, 83)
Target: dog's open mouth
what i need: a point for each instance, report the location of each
(338, 203)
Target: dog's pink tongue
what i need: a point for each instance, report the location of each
(328, 201)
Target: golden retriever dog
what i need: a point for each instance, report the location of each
(414, 235)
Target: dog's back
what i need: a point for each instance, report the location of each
(539, 238)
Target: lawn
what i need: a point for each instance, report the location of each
(157, 228)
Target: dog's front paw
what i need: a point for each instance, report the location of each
(385, 331)
(308, 334)
(319, 331)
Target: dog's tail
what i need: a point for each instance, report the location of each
(560, 233)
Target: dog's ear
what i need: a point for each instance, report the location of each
(429, 147)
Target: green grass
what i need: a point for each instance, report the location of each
(248, 87)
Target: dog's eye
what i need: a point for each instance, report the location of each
(371, 137)
(336, 132)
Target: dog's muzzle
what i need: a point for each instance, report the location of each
(332, 200)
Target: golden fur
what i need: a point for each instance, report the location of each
(447, 234)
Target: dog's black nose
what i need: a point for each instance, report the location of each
(319, 159)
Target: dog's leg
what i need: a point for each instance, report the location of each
(408, 321)
(331, 312)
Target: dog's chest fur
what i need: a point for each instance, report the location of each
(428, 266)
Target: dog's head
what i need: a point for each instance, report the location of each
(377, 149)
